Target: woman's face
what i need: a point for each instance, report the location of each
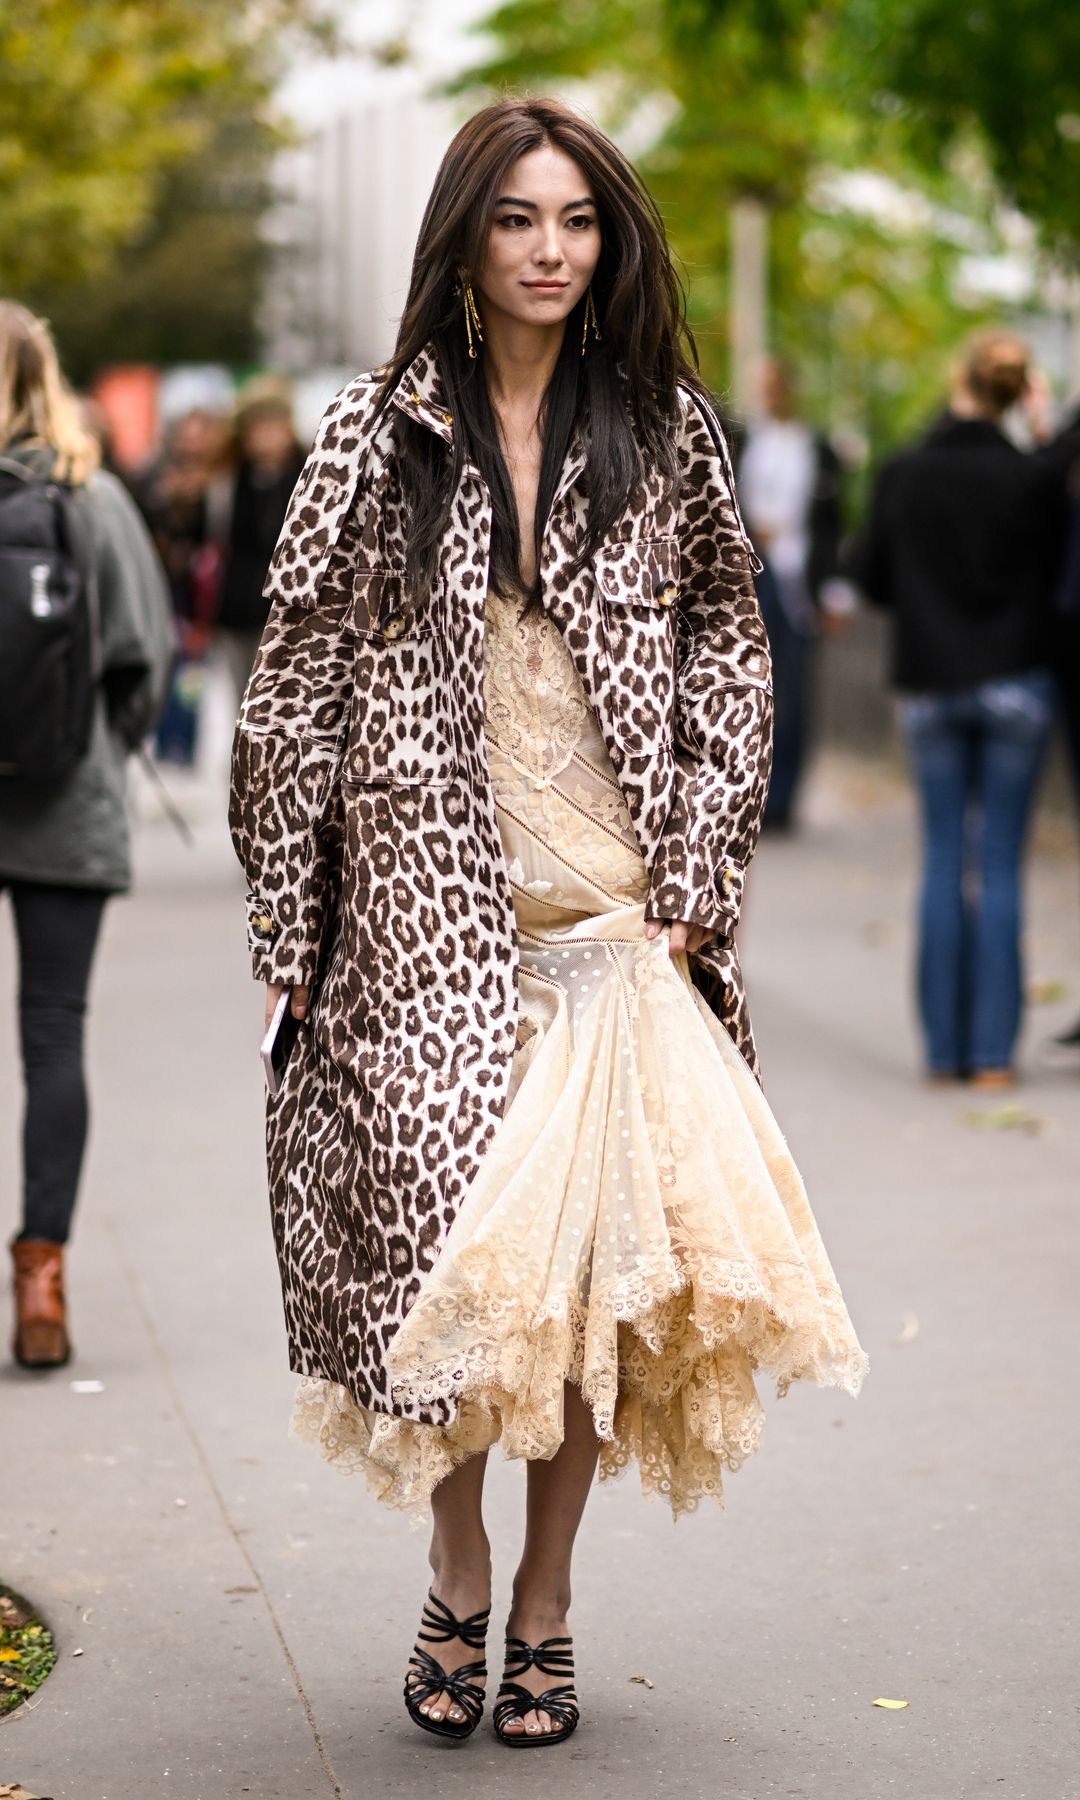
(544, 242)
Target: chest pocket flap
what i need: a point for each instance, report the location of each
(637, 589)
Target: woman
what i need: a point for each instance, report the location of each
(268, 461)
(63, 830)
(497, 779)
(961, 546)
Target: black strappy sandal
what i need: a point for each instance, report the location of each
(554, 1656)
(426, 1677)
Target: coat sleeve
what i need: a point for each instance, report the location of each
(287, 753)
(135, 615)
(723, 721)
(869, 559)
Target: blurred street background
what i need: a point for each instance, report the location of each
(215, 208)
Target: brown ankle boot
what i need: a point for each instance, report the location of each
(41, 1334)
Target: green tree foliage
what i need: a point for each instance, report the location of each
(101, 99)
(1007, 71)
(186, 286)
(769, 98)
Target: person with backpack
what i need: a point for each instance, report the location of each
(85, 655)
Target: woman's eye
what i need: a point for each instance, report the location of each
(514, 220)
(581, 221)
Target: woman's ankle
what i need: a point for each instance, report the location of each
(542, 1600)
(460, 1568)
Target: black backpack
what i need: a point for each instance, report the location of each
(48, 627)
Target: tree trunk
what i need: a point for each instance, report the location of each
(749, 299)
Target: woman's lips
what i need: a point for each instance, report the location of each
(547, 287)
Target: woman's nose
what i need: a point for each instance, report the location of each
(549, 250)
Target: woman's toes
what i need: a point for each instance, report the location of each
(455, 1715)
(514, 1726)
(545, 1723)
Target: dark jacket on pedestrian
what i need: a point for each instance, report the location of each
(77, 834)
(962, 545)
(259, 507)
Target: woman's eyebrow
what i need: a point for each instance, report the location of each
(571, 205)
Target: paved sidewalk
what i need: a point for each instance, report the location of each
(243, 1614)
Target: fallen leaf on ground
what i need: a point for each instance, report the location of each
(7, 1792)
(1005, 1118)
(87, 1387)
(893, 1705)
(642, 1680)
(1046, 993)
(9, 1656)
(909, 1328)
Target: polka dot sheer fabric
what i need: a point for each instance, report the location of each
(638, 1225)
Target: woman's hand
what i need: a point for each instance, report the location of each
(298, 1006)
(684, 936)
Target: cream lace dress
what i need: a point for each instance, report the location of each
(638, 1224)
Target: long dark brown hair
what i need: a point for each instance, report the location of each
(622, 392)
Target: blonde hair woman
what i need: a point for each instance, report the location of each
(85, 651)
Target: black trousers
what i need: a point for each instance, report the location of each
(792, 653)
(57, 930)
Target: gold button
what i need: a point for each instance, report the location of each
(668, 593)
(262, 925)
(394, 626)
(448, 418)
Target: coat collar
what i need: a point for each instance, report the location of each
(419, 395)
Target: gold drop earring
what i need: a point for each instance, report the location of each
(474, 331)
(589, 318)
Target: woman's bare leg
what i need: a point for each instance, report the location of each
(460, 1558)
(557, 1492)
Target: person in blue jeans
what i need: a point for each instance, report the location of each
(961, 545)
(976, 753)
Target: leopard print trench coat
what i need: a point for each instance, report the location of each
(363, 816)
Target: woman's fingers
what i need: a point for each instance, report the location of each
(678, 935)
(683, 937)
(297, 1006)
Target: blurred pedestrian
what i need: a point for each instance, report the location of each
(184, 496)
(85, 648)
(789, 485)
(268, 461)
(1067, 637)
(496, 783)
(961, 546)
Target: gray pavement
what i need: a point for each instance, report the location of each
(234, 1618)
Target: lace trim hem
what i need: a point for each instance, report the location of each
(664, 1359)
